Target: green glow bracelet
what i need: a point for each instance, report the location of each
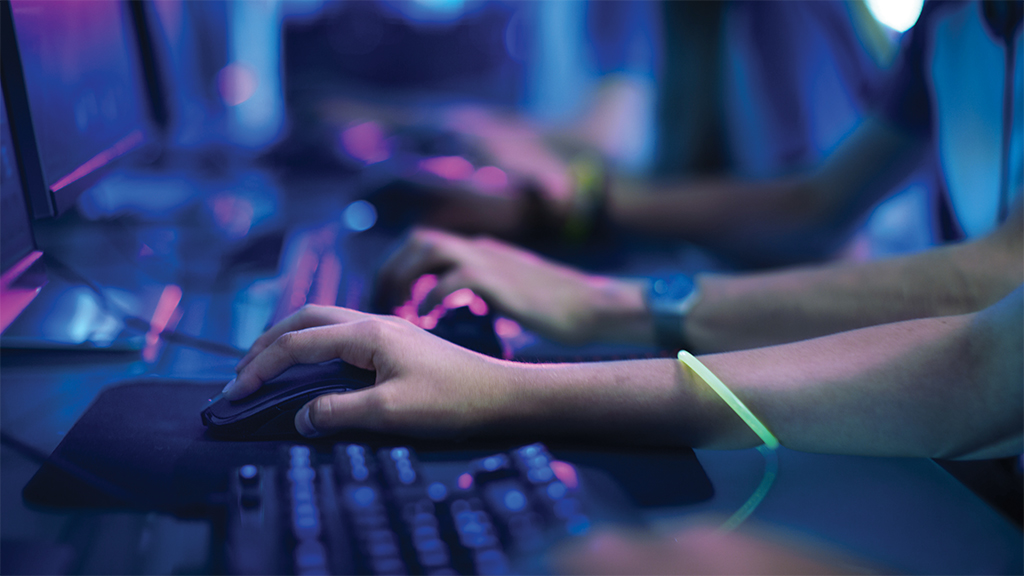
(691, 362)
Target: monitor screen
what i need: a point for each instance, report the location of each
(85, 95)
(21, 276)
(15, 228)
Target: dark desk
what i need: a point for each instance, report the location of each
(906, 514)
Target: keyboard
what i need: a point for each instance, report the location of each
(352, 509)
(312, 273)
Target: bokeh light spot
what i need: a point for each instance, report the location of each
(237, 83)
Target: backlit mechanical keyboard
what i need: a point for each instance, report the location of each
(365, 511)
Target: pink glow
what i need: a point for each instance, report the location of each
(460, 297)
(491, 179)
(448, 167)
(465, 481)
(328, 281)
(233, 214)
(506, 328)
(15, 272)
(145, 251)
(162, 315)
(409, 310)
(14, 299)
(365, 142)
(477, 306)
(429, 322)
(102, 159)
(237, 83)
(421, 287)
(566, 473)
(302, 280)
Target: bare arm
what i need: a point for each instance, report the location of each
(936, 387)
(770, 221)
(733, 312)
(750, 310)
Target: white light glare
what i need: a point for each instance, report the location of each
(899, 15)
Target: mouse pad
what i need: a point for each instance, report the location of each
(141, 445)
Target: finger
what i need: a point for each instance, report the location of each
(351, 342)
(308, 316)
(425, 252)
(452, 281)
(332, 413)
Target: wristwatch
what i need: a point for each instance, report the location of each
(669, 301)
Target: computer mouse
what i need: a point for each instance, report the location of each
(270, 411)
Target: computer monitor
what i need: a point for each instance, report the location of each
(21, 268)
(76, 93)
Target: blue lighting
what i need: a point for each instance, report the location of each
(359, 216)
(578, 525)
(514, 500)
(899, 15)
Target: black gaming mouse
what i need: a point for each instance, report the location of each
(270, 411)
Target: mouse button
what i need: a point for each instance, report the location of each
(299, 374)
(266, 396)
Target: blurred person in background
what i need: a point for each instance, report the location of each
(972, 127)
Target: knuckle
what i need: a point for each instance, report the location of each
(323, 413)
(286, 341)
(290, 344)
(398, 320)
(374, 330)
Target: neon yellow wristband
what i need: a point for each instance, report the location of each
(709, 378)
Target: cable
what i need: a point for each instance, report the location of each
(135, 323)
(767, 450)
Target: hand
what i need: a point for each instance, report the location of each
(553, 300)
(425, 386)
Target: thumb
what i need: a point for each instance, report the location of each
(330, 413)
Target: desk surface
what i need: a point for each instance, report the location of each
(906, 514)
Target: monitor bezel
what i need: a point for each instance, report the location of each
(49, 200)
(22, 281)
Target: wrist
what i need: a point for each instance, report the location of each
(618, 311)
(669, 301)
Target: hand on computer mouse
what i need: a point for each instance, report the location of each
(554, 300)
(425, 386)
(309, 316)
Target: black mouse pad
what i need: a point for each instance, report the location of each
(141, 445)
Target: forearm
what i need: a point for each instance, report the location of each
(936, 387)
(640, 401)
(775, 220)
(759, 217)
(753, 310)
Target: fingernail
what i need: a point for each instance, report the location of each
(303, 423)
(229, 388)
(241, 363)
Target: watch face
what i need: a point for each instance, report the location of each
(669, 300)
(668, 295)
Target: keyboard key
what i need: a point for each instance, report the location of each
(491, 562)
(388, 565)
(381, 542)
(372, 510)
(492, 468)
(310, 557)
(354, 463)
